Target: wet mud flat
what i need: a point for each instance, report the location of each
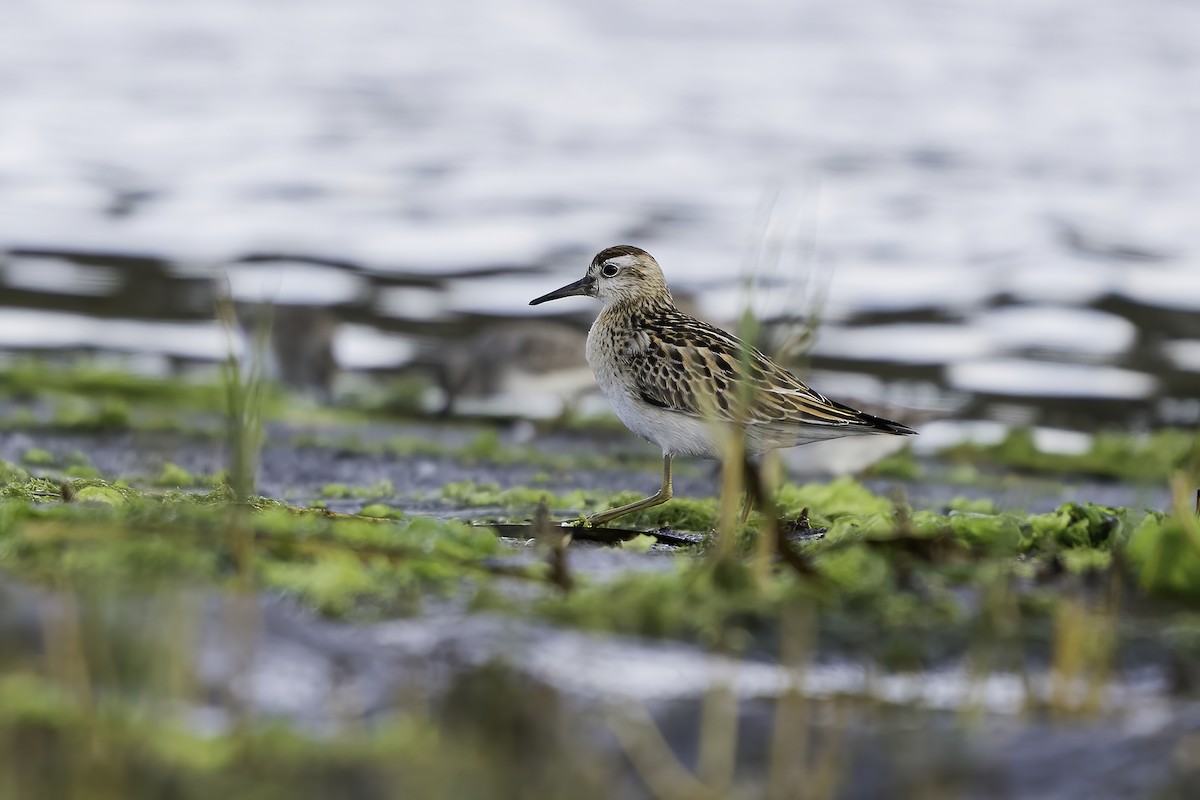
(906, 663)
(303, 464)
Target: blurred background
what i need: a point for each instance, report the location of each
(976, 218)
(991, 207)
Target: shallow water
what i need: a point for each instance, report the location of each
(993, 204)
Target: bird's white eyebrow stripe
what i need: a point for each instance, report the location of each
(621, 261)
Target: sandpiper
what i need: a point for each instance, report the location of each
(681, 383)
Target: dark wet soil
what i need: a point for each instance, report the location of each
(296, 469)
(303, 668)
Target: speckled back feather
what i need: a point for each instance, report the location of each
(685, 365)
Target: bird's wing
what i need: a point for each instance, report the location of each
(694, 368)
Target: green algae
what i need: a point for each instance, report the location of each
(1138, 458)
(886, 582)
(82, 472)
(482, 495)
(893, 572)
(345, 565)
(36, 457)
(32, 378)
(1134, 458)
(1077, 525)
(104, 495)
(639, 544)
(696, 600)
(832, 501)
(901, 465)
(381, 511)
(685, 514)
(1165, 552)
(85, 398)
(175, 475)
(486, 447)
(343, 491)
(870, 541)
(338, 564)
(828, 502)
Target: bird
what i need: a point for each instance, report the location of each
(682, 383)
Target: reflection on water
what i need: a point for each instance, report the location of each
(993, 206)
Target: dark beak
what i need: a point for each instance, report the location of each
(583, 286)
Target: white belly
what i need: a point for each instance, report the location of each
(677, 434)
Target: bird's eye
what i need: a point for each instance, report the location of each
(609, 270)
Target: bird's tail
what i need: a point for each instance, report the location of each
(886, 425)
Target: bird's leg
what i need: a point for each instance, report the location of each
(750, 468)
(664, 494)
(747, 507)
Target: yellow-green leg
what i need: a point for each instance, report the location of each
(664, 494)
(747, 507)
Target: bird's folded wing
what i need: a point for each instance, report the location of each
(722, 379)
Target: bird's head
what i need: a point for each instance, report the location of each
(618, 275)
